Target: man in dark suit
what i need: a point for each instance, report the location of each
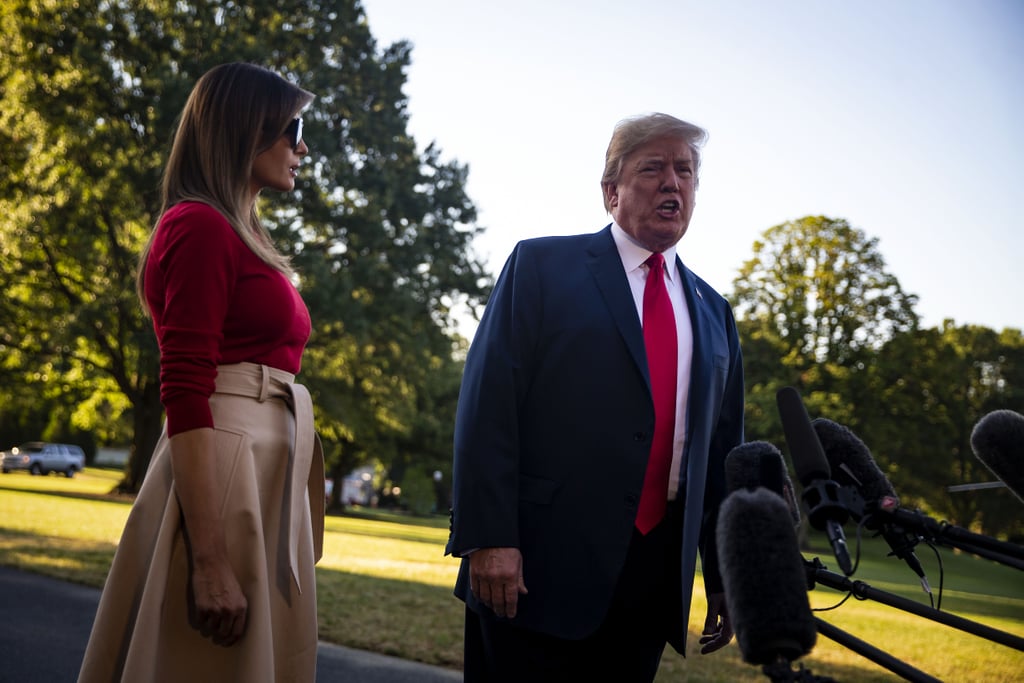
(597, 407)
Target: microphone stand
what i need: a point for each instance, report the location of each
(943, 533)
(871, 652)
(816, 572)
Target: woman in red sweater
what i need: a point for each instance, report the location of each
(213, 578)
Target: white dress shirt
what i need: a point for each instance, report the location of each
(633, 261)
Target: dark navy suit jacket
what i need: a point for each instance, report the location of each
(554, 428)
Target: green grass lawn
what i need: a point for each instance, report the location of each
(385, 585)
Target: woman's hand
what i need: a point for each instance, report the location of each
(217, 608)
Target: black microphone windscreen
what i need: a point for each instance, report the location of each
(764, 578)
(853, 466)
(760, 464)
(998, 442)
(753, 464)
(851, 461)
(805, 449)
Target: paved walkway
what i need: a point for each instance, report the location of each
(45, 624)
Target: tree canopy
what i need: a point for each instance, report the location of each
(822, 289)
(380, 231)
(818, 310)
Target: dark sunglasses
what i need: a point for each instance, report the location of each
(294, 132)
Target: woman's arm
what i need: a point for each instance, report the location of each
(217, 607)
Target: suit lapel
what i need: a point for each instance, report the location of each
(605, 265)
(699, 367)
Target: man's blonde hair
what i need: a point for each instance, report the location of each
(632, 133)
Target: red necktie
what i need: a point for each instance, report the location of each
(662, 358)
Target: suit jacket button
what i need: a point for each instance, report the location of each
(639, 436)
(631, 500)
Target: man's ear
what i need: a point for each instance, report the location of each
(611, 195)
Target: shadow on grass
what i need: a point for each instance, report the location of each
(77, 561)
(111, 497)
(400, 618)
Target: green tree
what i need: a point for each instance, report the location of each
(77, 178)
(822, 289)
(929, 389)
(380, 232)
(812, 304)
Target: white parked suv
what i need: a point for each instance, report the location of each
(42, 458)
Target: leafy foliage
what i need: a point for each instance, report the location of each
(817, 310)
(919, 401)
(822, 289)
(380, 232)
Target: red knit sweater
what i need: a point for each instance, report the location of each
(214, 302)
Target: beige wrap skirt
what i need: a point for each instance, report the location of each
(270, 475)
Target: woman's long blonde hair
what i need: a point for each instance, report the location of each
(235, 112)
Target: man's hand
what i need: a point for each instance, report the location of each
(496, 578)
(717, 626)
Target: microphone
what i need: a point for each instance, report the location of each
(853, 466)
(764, 577)
(998, 442)
(821, 495)
(759, 463)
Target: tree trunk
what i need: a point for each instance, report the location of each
(148, 424)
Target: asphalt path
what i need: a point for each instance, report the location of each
(45, 624)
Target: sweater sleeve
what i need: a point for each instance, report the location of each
(195, 262)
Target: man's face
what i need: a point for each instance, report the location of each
(654, 197)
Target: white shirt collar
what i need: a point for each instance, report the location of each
(634, 255)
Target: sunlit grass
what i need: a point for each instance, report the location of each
(62, 514)
(91, 480)
(389, 550)
(385, 585)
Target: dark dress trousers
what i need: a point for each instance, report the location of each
(554, 428)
